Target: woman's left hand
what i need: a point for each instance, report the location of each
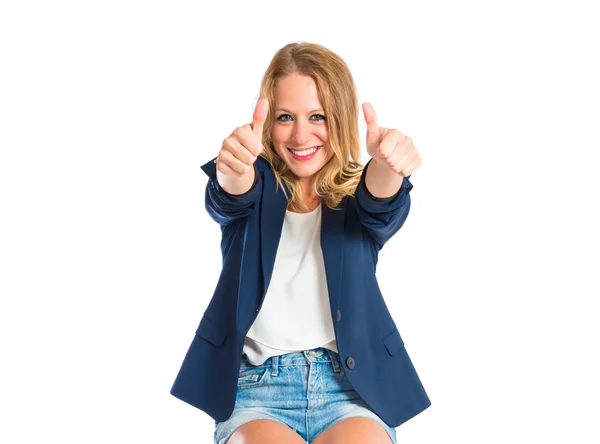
(390, 146)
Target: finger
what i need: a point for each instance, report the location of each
(405, 160)
(398, 151)
(226, 170)
(410, 168)
(260, 115)
(228, 160)
(247, 140)
(389, 144)
(371, 120)
(239, 145)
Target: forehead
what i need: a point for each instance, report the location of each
(296, 91)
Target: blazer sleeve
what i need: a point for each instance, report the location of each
(382, 217)
(224, 207)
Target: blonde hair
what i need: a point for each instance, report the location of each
(337, 94)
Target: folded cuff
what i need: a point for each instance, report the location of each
(210, 168)
(374, 204)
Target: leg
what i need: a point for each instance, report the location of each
(265, 431)
(356, 430)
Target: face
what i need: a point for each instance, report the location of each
(300, 134)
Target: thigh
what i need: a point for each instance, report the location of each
(343, 416)
(265, 431)
(357, 430)
(268, 403)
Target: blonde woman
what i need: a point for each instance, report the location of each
(297, 344)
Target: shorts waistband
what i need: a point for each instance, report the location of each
(306, 357)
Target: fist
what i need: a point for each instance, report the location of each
(390, 146)
(240, 150)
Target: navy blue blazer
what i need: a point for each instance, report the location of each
(369, 344)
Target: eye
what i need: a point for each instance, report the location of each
(318, 117)
(284, 118)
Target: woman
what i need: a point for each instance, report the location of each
(297, 344)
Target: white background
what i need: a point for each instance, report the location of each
(108, 258)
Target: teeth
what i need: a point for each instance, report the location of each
(304, 152)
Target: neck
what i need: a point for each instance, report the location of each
(310, 198)
(308, 192)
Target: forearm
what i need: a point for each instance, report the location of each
(236, 185)
(381, 180)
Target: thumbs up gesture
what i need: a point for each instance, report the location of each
(241, 149)
(390, 146)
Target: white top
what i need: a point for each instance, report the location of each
(295, 314)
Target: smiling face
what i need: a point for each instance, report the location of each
(300, 134)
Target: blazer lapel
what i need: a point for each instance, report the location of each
(272, 213)
(332, 245)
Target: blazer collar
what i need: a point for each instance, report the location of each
(332, 240)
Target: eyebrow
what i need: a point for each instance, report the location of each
(318, 110)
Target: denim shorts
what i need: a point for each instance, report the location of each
(308, 391)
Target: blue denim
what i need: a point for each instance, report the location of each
(308, 391)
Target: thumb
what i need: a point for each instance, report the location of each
(371, 119)
(260, 115)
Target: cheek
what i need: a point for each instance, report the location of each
(278, 139)
(278, 134)
(323, 134)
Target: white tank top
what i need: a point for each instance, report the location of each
(295, 314)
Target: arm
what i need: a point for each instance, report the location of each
(381, 180)
(382, 194)
(235, 185)
(382, 217)
(224, 207)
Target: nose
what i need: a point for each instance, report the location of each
(301, 132)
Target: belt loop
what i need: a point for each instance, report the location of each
(274, 365)
(334, 360)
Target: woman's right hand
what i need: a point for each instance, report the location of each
(241, 149)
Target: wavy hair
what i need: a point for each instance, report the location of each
(337, 94)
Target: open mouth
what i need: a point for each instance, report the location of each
(305, 153)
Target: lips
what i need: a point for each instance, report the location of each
(304, 153)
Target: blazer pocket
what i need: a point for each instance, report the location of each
(213, 333)
(393, 342)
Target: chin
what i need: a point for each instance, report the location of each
(305, 172)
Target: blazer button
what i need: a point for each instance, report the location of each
(339, 315)
(350, 362)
